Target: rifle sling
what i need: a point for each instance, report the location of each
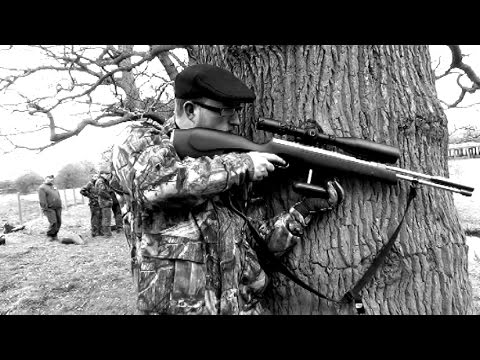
(267, 254)
(352, 295)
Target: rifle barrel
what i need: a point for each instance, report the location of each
(432, 184)
(433, 179)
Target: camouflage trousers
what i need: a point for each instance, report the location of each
(216, 274)
(96, 220)
(117, 216)
(106, 221)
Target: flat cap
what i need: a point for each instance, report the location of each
(205, 80)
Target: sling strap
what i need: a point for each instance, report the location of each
(353, 295)
(265, 253)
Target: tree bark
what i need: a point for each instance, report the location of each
(381, 93)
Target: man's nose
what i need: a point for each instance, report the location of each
(234, 119)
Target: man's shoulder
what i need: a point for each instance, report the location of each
(151, 128)
(138, 136)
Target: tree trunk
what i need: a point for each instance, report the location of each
(381, 93)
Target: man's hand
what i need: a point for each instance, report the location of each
(263, 163)
(311, 206)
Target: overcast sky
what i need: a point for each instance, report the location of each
(92, 141)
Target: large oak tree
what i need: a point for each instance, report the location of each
(381, 93)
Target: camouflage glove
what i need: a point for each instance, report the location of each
(311, 206)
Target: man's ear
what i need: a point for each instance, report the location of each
(189, 109)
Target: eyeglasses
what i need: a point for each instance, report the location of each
(220, 111)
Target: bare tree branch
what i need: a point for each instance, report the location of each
(457, 63)
(168, 65)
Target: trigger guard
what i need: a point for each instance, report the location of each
(282, 166)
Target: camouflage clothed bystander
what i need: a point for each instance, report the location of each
(105, 202)
(90, 192)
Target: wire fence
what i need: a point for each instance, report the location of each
(21, 208)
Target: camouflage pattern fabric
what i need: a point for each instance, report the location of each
(117, 213)
(90, 192)
(105, 202)
(103, 193)
(190, 254)
(96, 220)
(106, 213)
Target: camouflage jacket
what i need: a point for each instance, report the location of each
(90, 192)
(189, 246)
(104, 195)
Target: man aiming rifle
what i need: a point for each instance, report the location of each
(192, 252)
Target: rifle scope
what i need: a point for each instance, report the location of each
(369, 150)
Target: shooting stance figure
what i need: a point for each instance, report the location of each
(190, 253)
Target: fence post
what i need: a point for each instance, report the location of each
(74, 197)
(19, 208)
(65, 196)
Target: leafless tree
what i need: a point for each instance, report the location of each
(111, 84)
(384, 93)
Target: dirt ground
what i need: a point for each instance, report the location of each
(41, 277)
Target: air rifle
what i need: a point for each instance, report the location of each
(197, 142)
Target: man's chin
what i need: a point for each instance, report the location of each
(233, 131)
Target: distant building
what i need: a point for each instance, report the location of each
(464, 150)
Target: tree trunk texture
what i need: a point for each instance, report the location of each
(381, 93)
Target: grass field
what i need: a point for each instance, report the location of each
(467, 172)
(40, 277)
(29, 205)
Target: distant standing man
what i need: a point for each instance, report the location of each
(90, 192)
(105, 200)
(51, 205)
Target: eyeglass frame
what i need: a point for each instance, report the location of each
(217, 110)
